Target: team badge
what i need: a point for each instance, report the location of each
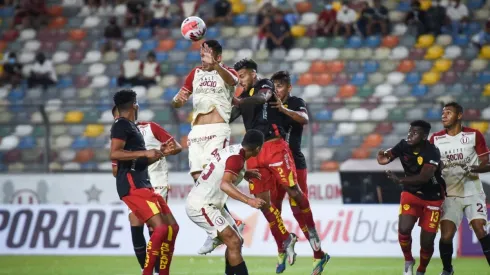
(406, 207)
(251, 92)
(251, 186)
(219, 220)
(420, 160)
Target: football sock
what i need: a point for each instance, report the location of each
(241, 269)
(167, 249)
(304, 206)
(485, 245)
(157, 266)
(278, 230)
(406, 245)
(229, 268)
(301, 222)
(153, 248)
(425, 256)
(139, 244)
(446, 251)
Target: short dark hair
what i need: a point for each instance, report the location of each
(253, 139)
(282, 76)
(215, 45)
(114, 109)
(124, 99)
(151, 54)
(455, 105)
(422, 124)
(245, 63)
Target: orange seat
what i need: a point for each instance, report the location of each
(55, 11)
(347, 91)
(166, 45)
(196, 46)
(303, 7)
(305, 79)
(329, 166)
(390, 41)
(3, 45)
(322, 79)
(58, 23)
(360, 153)
(77, 34)
(372, 141)
(183, 142)
(318, 67)
(406, 66)
(84, 155)
(335, 66)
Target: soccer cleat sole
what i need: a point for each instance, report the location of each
(290, 253)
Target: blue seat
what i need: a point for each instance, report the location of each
(484, 77)
(7, 12)
(89, 166)
(144, 34)
(335, 141)
(182, 44)
(373, 41)
(16, 95)
(64, 82)
(113, 82)
(324, 115)
(354, 42)
(359, 79)
(161, 56)
(461, 40)
(419, 90)
(16, 108)
(371, 66)
(294, 79)
(148, 45)
(412, 78)
(104, 105)
(27, 143)
(240, 20)
(433, 114)
(212, 33)
(3, 167)
(472, 28)
(193, 57)
(184, 129)
(169, 93)
(403, 6)
(182, 69)
(474, 4)
(291, 18)
(81, 143)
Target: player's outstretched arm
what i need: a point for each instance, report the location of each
(384, 157)
(299, 114)
(427, 172)
(260, 97)
(172, 147)
(227, 186)
(180, 98)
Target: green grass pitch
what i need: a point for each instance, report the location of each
(88, 265)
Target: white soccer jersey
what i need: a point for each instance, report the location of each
(210, 92)
(154, 136)
(456, 152)
(207, 190)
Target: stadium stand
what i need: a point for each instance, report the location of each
(361, 91)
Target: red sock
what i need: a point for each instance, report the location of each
(304, 206)
(425, 256)
(278, 230)
(167, 249)
(301, 222)
(406, 245)
(153, 248)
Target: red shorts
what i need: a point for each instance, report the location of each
(428, 212)
(278, 195)
(144, 202)
(275, 164)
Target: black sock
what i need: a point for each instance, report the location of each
(485, 245)
(139, 244)
(241, 269)
(228, 268)
(157, 264)
(446, 251)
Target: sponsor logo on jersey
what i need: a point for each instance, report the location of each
(432, 225)
(434, 162)
(433, 208)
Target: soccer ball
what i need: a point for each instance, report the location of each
(193, 28)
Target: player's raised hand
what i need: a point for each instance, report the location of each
(167, 148)
(278, 104)
(256, 202)
(208, 56)
(382, 157)
(392, 176)
(182, 96)
(252, 174)
(153, 153)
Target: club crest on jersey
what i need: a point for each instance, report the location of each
(420, 160)
(406, 207)
(219, 220)
(465, 140)
(251, 92)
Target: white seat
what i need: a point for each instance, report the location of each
(399, 29)
(228, 55)
(154, 92)
(23, 130)
(395, 78)
(91, 22)
(346, 129)
(331, 54)
(92, 57)
(104, 166)
(313, 54)
(72, 166)
(383, 90)
(169, 80)
(341, 114)
(3, 92)
(323, 154)
(366, 127)
(312, 92)
(359, 114)
(53, 105)
(96, 69)
(452, 52)
(106, 117)
(379, 114)
(62, 142)
(295, 54)
(27, 57)
(308, 18)
(243, 53)
(132, 44)
(140, 91)
(381, 53)
(485, 114)
(100, 81)
(246, 31)
(300, 67)
(27, 34)
(399, 53)
(36, 117)
(444, 40)
(32, 46)
(120, 10)
(67, 155)
(396, 16)
(389, 102)
(9, 143)
(146, 115)
(56, 116)
(54, 166)
(478, 65)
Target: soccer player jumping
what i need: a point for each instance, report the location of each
(465, 154)
(423, 192)
(134, 186)
(205, 203)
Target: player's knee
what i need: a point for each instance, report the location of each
(234, 243)
(479, 228)
(405, 230)
(160, 231)
(133, 220)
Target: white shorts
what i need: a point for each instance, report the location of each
(211, 219)
(473, 207)
(203, 140)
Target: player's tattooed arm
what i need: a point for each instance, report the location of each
(235, 113)
(227, 185)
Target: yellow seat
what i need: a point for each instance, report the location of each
(337, 5)
(442, 65)
(74, 117)
(298, 31)
(430, 78)
(94, 130)
(425, 41)
(480, 126)
(486, 91)
(425, 4)
(485, 52)
(434, 52)
(238, 8)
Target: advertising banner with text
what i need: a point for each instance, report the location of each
(348, 230)
(101, 188)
